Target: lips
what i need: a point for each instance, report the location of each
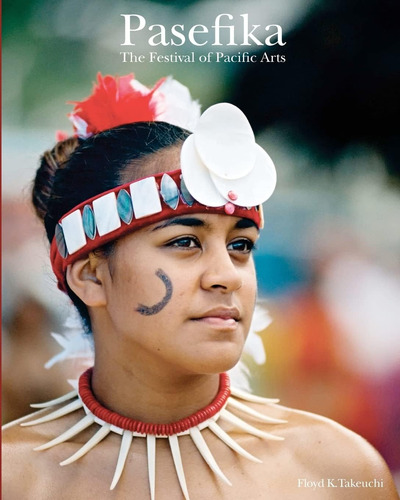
(220, 313)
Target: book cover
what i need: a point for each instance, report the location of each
(319, 84)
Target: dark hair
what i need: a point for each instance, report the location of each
(78, 169)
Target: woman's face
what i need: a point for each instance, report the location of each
(180, 293)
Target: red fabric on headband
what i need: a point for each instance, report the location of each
(60, 264)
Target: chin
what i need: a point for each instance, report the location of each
(219, 360)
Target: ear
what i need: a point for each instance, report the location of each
(82, 278)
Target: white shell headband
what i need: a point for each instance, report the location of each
(223, 170)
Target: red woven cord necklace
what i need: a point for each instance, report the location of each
(130, 424)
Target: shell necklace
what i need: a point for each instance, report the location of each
(218, 410)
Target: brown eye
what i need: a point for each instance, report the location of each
(185, 242)
(243, 245)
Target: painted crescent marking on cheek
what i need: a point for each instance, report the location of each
(156, 308)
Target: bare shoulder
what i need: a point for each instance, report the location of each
(18, 466)
(325, 451)
(22, 466)
(335, 445)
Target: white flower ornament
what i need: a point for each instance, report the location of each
(223, 165)
(178, 107)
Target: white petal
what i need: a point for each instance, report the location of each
(80, 126)
(75, 346)
(178, 107)
(60, 339)
(240, 376)
(254, 188)
(139, 87)
(261, 319)
(225, 141)
(254, 347)
(197, 177)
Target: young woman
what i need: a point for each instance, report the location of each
(151, 230)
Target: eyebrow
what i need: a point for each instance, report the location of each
(195, 222)
(182, 221)
(245, 223)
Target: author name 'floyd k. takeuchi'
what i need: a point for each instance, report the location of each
(200, 35)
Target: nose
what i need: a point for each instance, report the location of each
(220, 272)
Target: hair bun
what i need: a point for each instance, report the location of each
(51, 161)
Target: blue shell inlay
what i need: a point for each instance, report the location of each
(89, 224)
(60, 240)
(124, 206)
(185, 195)
(169, 191)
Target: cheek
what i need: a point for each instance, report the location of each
(122, 298)
(159, 305)
(249, 278)
(126, 287)
(249, 290)
(145, 290)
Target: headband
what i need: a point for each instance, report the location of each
(223, 171)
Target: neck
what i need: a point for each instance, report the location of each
(157, 396)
